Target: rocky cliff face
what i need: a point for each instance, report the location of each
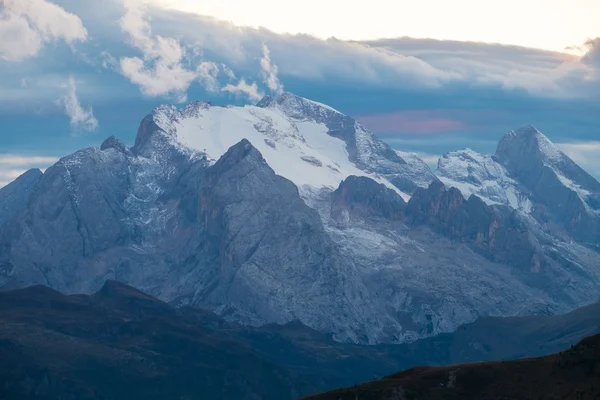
(496, 233)
(567, 193)
(288, 211)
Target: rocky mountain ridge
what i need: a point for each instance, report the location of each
(285, 211)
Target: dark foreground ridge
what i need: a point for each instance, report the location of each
(573, 374)
(121, 343)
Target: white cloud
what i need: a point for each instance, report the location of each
(81, 118)
(161, 71)
(403, 63)
(207, 75)
(270, 71)
(585, 154)
(242, 87)
(108, 61)
(25, 25)
(228, 72)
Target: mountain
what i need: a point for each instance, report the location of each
(121, 343)
(572, 374)
(530, 174)
(570, 194)
(284, 211)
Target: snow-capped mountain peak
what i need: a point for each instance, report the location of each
(481, 175)
(298, 107)
(530, 142)
(302, 140)
(528, 172)
(530, 157)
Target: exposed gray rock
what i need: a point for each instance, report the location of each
(365, 198)
(497, 233)
(114, 143)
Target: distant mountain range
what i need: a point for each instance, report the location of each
(290, 210)
(120, 343)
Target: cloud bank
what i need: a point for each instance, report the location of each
(421, 95)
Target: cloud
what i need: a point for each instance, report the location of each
(161, 71)
(228, 72)
(13, 165)
(585, 154)
(539, 72)
(269, 71)
(81, 118)
(400, 64)
(207, 74)
(242, 87)
(298, 56)
(108, 61)
(25, 25)
(592, 56)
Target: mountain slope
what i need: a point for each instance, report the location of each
(530, 174)
(571, 195)
(385, 254)
(120, 343)
(573, 374)
(123, 344)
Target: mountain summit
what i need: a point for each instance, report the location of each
(530, 174)
(307, 142)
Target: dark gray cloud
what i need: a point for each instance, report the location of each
(592, 57)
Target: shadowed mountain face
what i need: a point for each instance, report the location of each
(290, 210)
(123, 344)
(572, 374)
(120, 343)
(571, 195)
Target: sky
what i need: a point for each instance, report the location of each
(430, 77)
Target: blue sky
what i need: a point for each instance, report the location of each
(76, 72)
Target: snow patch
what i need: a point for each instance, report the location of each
(285, 142)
